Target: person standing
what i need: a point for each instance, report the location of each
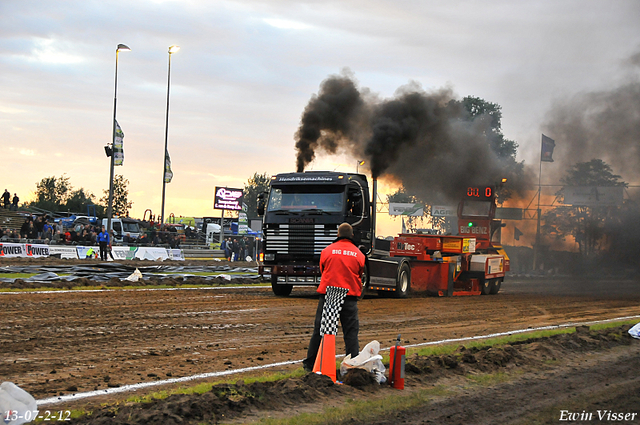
(342, 266)
(6, 199)
(14, 202)
(104, 241)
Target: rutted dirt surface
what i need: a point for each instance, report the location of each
(62, 343)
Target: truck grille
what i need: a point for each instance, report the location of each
(299, 239)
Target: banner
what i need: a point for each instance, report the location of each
(547, 149)
(85, 252)
(175, 254)
(123, 252)
(168, 174)
(151, 253)
(118, 146)
(412, 210)
(593, 195)
(36, 250)
(444, 211)
(67, 252)
(11, 250)
(243, 223)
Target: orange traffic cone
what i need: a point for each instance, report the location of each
(325, 363)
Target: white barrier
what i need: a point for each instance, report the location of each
(151, 253)
(12, 250)
(83, 252)
(175, 254)
(36, 250)
(66, 252)
(124, 252)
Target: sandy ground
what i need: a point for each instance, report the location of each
(60, 343)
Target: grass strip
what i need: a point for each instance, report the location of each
(363, 409)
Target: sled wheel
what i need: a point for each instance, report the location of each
(485, 286)
(495, 288)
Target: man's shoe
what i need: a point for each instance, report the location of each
(307, 368)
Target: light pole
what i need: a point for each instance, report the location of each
(113, 138)
(172, 49)
(360, 162)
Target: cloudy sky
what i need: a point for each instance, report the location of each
(246, 70)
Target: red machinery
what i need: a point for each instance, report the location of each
(472, 263)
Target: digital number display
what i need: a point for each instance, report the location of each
(482, 192)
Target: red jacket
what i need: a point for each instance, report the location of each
(342, 265)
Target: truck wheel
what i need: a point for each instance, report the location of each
(365, 282)
(495, 288)
(403, 283)
(485, 286)
(279, 289)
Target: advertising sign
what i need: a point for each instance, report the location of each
(11, 250)
(444, 211)
(593, 195)
(226, 198)
(36, 250)
(411, 210)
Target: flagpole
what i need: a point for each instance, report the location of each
(172, 49)
(113, 139)
(537, 242)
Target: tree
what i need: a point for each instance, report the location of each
(491, 113)
(587, 224)
(80, 199)
(52, 193)
(121, 204)
(257, 184)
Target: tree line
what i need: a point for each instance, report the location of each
(57, 195)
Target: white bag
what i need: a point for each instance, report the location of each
(135, 276)
(368, 359)
(16, 403)
(635, 331)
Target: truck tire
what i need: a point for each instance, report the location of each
(495, 288)
(280, 290)
(403, 282)
(485, 286)
(365, 281)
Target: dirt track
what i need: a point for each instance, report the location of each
(61, 343)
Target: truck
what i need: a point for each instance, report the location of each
(301, 215)
(123, 225)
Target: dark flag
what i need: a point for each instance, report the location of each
(547, 149)
(517, 233)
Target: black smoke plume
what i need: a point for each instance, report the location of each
(600, 124)
(425, 140)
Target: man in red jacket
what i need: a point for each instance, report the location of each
(341, 265)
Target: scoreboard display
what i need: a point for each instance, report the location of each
(480, 192)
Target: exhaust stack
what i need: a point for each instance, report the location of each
(374, 200)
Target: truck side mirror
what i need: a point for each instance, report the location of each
(261, 204)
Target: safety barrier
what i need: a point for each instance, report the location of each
(12, 250)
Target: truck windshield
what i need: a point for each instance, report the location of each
(131, 227)
(306, 199)
(476, 208)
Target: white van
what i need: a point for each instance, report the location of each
(123, 225)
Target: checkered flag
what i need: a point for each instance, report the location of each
(331, 310)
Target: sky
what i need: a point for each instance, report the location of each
(247, 69)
